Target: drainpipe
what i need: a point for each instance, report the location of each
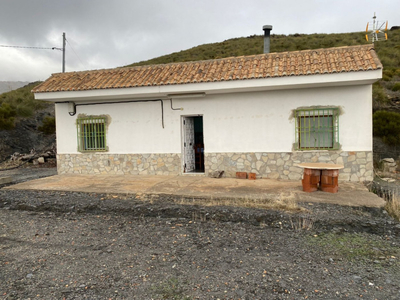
(267, 30)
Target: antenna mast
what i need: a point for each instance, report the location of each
(378, 31)
(63, 50)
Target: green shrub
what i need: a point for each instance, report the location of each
(24, 111)
(378, 93)
(387, 126)
(7, 116)
(396, 87)
(48, 126)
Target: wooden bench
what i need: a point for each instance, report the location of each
(320, 176)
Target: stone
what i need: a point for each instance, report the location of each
(351, 158)
(296, 170)
(361, 155)
(334, 156)
(354, 177)
(280, 162)
(294, 176)
(273, 175)
(324, 158)
(344, 177)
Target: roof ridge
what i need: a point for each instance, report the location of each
(265, 65)
(213, 60)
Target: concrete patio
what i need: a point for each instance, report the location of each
(351, 194)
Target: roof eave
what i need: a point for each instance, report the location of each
(250, 85)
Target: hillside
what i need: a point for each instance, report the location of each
(22, 120)
(7, 86)
(21, 116)
(386, 92)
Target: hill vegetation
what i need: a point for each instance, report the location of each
(388, 51)
(16, 104)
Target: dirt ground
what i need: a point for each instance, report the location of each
(57, 245)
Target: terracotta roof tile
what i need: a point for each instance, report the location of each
(296, 63)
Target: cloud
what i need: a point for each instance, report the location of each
(106, 34)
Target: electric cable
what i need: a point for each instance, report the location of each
(29, 47)
(74, 51)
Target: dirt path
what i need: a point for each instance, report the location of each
(56, 245)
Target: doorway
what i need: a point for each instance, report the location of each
(193, 144)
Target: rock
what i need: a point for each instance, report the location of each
(40, 160)
(388, 165)
(30, 275)
(217, 174)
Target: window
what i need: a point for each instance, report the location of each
(91, 134)
(317, 128)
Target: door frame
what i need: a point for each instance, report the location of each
(182, 143)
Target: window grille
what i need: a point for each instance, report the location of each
(317, 128)
(91, 134)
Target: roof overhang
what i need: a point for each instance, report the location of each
(234, 86)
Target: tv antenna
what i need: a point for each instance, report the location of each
(377, 30)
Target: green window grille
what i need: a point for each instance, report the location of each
(91, 134)
(317, 129)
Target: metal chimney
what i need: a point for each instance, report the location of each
(267, 30)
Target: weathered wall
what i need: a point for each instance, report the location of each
(256, 123)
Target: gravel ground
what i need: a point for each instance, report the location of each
(56, 245)
(28, 172)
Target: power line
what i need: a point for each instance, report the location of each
(27, 47)
(73, 50)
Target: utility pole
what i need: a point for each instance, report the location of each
(63, 50)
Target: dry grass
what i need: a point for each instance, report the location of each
(284, 201)
(393, 206)
(302, 223)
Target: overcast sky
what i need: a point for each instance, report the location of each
(112, 33)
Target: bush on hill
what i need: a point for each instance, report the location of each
(18, 103)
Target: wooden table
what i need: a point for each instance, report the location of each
(320, 176)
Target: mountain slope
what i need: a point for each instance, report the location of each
(386, 92)
(21, 117)
(7, 86)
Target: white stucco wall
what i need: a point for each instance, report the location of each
(233, 122)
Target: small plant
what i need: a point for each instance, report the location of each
(387, 126)
(302, 223)
(170, 289)
(392, 206)
(396, 87)
(378, 93)
(48, 126)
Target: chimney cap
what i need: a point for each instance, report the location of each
(267, 27)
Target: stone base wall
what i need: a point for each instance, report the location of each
(358, 166)
(135, 164)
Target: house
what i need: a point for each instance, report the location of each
(261, 113)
